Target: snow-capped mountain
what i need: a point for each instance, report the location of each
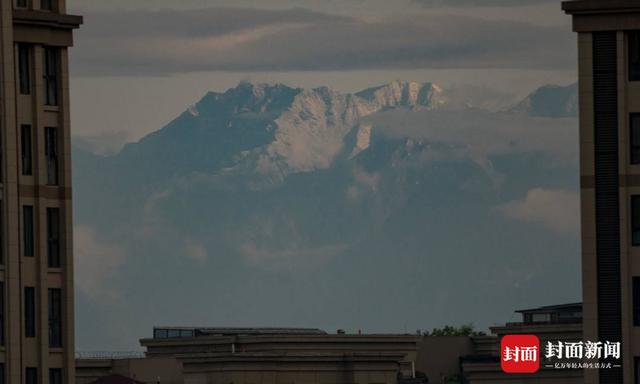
(310, 134)
(270, 130)
(272, 198)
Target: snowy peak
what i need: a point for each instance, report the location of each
(248, 97)
(403, 94)
(311, 133)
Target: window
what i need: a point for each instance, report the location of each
(26, 145)
(53, 237)
(28, 237)
(541, 317)
(51, 59)
(1, 314)
(55, 376)
(160, 334)
(29, 312)
(1, 234)
(47, 5)
(21, 3)
(636, 301)
(51, 154)
(24, 68)
(165, 333)
(634, 138)
(55, 317)
(634, 55)
(31, 376)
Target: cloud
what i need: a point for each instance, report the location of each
(335, 6)
(477, 96)
(106, 143)
(196, 251)
(480, 135)
(363, 183)
(558, 210)
(278, 243)
(168, 42)
(96, 263)
(482, 3)
(290, 258)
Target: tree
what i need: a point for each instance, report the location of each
(449, 330)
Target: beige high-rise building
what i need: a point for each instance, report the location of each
(609, 77)
(36, 265)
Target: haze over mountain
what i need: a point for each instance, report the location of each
(396, 208)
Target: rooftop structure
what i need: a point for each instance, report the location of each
(186, 332)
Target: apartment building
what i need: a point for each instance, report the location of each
(609, 89)
(36, 260)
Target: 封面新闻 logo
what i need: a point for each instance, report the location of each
(520, 354)
(523, 354)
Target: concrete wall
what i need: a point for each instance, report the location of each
(289, 370)
(147, 370)
(439, 357)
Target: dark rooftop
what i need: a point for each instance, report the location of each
(600, 6)
(185, 332)
(553, 308)
(116, 379)
(261, 331)
(553, 314)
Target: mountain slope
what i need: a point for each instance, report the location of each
(551, 101)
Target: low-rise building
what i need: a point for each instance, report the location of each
(176, 355)
(89, 369)
(262, 355)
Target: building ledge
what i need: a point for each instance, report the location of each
(46, 19)
(539, 328)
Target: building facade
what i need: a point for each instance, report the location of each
(609, 89)
(177, 355)
(36, 265)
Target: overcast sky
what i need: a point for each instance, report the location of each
(148, 60)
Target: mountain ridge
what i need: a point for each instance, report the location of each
(289, 122)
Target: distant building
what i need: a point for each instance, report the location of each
(609, 92)
(263, 355)
(36, 260)
(176, 355)
(553, 323)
